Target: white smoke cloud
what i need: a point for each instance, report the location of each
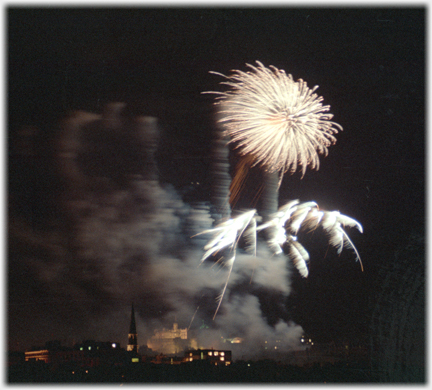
(132, 241)
(242, 317)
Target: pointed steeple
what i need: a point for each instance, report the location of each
(132, 337)
(132, 328)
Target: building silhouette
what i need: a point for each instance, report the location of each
(132, 336)
(89, 353)
(213, 356)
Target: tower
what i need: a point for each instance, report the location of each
(132, 337)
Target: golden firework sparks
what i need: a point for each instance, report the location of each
(282, 123)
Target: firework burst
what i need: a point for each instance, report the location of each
(280, 122)
(277, 124)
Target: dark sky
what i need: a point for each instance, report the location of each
(370, 66)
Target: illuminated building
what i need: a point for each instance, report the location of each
(306, 341)
(36, 356)
(169, 341)
(132, 337)
(214, 356)
(89, 353)
(46, 354)
(96, 353)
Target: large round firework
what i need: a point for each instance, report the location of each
(279, 122)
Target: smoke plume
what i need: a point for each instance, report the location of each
(123, 237)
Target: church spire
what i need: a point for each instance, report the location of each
(132, 337)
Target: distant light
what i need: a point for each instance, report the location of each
(113, 345)
(89, 348)
(135, 360)
(222, 353)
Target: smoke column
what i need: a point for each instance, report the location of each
(221, 178)
(269, 199)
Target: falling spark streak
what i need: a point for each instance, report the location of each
(291, 217)
(193, 317)
(220, 297)
(294, 216)
(332, 222)
(300, 214)
(306, 216)
(298, 255)
(228, 234)
(278, 222)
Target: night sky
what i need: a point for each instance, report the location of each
(75, 268)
